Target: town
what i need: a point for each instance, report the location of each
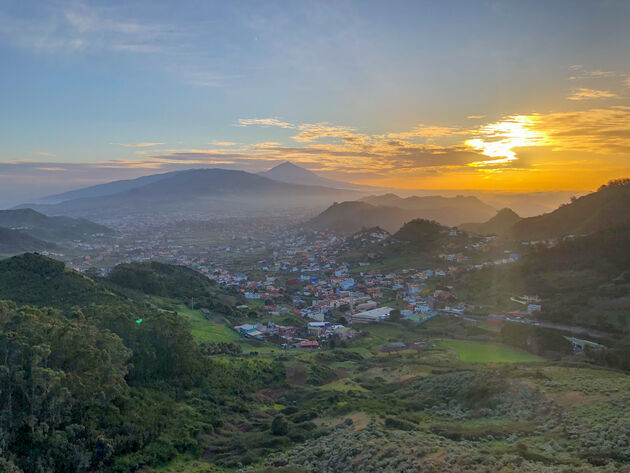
(330, 284)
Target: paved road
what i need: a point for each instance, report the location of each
(568, 328)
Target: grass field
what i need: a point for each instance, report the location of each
(205, 330)
(480, 352)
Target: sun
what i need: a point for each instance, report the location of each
(498, 140)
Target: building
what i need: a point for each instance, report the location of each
(375, 315)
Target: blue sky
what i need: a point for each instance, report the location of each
(92, 91)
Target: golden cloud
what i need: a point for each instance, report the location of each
(587, 94)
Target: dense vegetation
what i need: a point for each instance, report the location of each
(606, 208)
(425, 234)
(104, 382)
(582, 280)
(171, 281)
(107, 381)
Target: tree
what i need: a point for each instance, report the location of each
(279, 426)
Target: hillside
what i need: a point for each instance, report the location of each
(51, 228)
(40, 281)
(583, 281)
(390, 212)
(294, 174)
(353, 216)
(449, 211)
(108, 188)
(106, 384)
(420, 232)
(13, 242)
(500, 224)
(177, 282)
(606, 208)
(201, 193)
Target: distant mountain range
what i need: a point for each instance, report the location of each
(445, 210)
(500, 224)
(54, 229)
(294, 174)
(607, 208)
(14, 242)
(353, 216)
(390, 212)
(109, 188)
(195, 194)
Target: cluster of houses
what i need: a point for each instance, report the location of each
(308, 336)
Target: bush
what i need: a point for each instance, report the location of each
(279, 426)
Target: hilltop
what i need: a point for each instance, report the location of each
(501, 223)
(55, 229)
(390, 212)
(353, 216)
(422, 232)
(40, 281)
(167, 280)
(449, 211)
(13, 241)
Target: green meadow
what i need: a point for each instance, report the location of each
(483, 352)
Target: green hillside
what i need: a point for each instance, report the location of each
(51, 228)
(166, 280)
(104, 381)
(606, 208)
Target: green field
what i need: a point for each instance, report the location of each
(481, 352)
(205, 330)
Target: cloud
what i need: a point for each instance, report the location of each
(604, 131)
(475, 117)
(587, 94)
(45, 153)
(75, 26)
(223, 143)
(626, 82)
(243, 122)
(428, 132)
(143, 144)
(583, 73)
(315, 131)
(599, 130)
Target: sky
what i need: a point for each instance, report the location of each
(489, 95)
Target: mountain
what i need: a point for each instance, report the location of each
(55, 229)
(606, 208)
(500, 224)
(353, 216)
(294, 174)
(13, 241)
(201, 193)
(109, 188)
(390, 212)
(449, 211)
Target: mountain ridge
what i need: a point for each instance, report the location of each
(55, 228)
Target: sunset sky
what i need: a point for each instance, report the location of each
(494, 95)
